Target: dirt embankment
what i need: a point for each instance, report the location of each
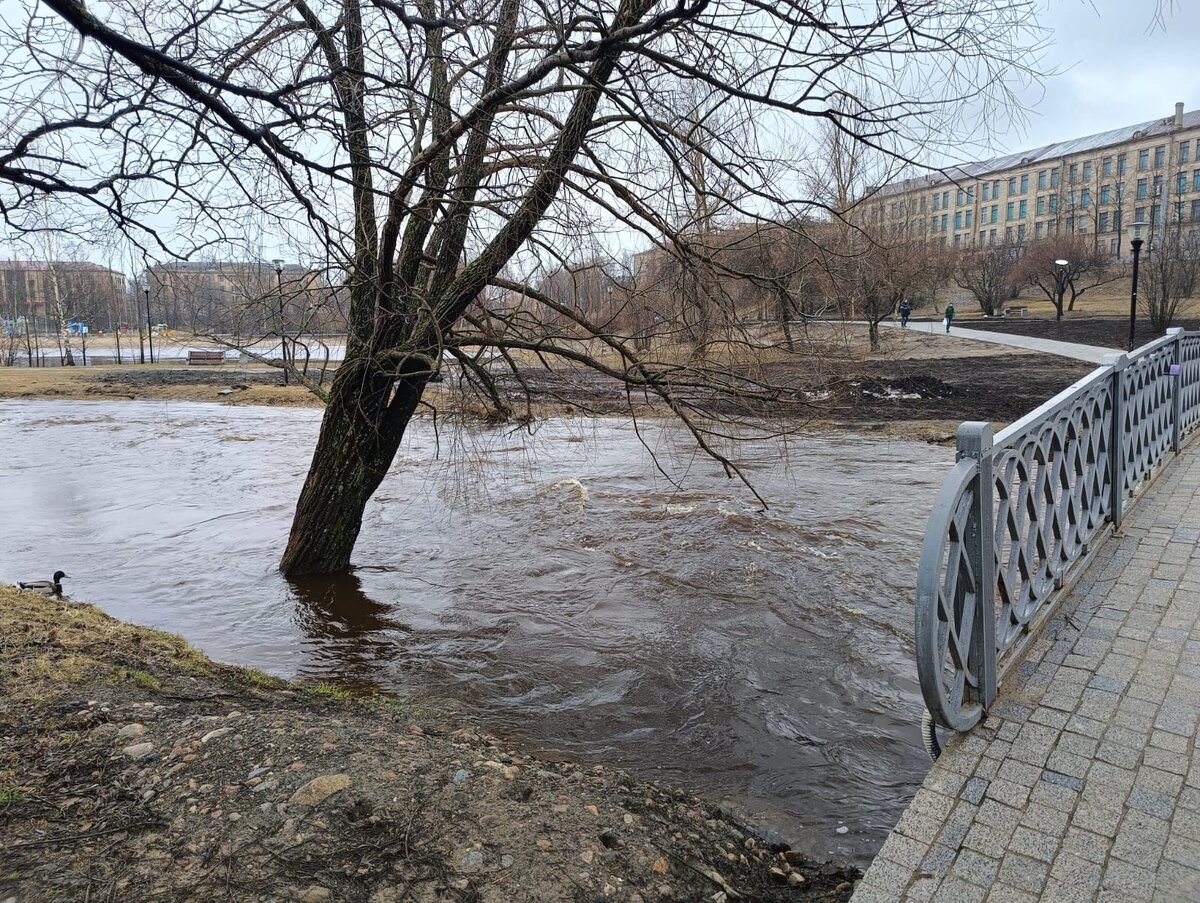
(1104, 332)
(918, 386)
(133, 768)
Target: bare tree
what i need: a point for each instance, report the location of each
(881, 271)
(1087, 267)
(990, 275)
(428, 149)
(1169, 277)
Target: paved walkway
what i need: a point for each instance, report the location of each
(1084, 782)
(1091, 353)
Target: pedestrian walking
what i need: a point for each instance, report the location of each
(905, 311)
(949, 316)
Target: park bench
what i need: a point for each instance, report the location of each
(205, 357)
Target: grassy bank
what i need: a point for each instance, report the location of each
(134, 768)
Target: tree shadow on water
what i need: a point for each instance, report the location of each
(353, 637)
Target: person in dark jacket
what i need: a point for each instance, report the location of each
(949, 316)
(905, 312)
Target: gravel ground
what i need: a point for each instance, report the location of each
(133, 768)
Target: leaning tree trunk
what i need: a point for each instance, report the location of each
(368, 411)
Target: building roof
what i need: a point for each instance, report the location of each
(227, 266)
(1049, 152)
(37, 266)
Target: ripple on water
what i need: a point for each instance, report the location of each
(557, 589)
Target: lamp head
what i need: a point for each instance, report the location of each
(278, 266)
(1061, 263)
(1139, 230)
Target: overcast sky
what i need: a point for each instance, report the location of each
(1115, 65)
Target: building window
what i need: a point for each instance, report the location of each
(1023, 210)
(1157, 190)
(956, 240)
(1121, 164)
(969, 217)
(1037, 230)
(1021, 232)
(1116, 220)
(1085, 197)
(1105, 194)
(1041, 179)
(1143, 160)
(1160, 156)
(945, 221)
(1114, 247)
(1054, 203)
(1041, 206)
(937, 202)
(1008, 234)
(1143, 189)
(1195, 210)
(992, 237)
(958, 220)
(971, 195)
(995, 213)
(1180, 182)
(996, 190)
(1106, 167)
(1185, 151)
(1071, 224)
(987, 191)
(1196, 180)
(1054, 178)
(1139, 215)
(1051, 227)
(960, 197)
(1155, 213)
(1009, 211)
(1012, 186)
(982, 236)
(1087, 172)
(1073, 174)
(1025, 184)
(946, 199)
(1102, 226)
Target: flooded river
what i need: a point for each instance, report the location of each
(553, 587)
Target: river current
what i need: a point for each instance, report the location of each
(595, 593)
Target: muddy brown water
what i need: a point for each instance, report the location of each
(554, 587)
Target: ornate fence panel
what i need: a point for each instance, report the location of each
(1190, 377)
(1017, 516)
(1146, 399)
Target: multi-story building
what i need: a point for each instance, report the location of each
(233, 295)
(43, 290)
(1096, 186)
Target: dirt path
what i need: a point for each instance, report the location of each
(1107, 332)
(133, 768)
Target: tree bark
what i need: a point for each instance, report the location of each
(368, 411)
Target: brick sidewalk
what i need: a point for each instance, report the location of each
(1084, 782)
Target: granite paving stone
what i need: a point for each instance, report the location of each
(1083, 785)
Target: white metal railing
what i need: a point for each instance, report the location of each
(1019, 513)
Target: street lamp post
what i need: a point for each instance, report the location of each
(149, 322)
(282, 328)
(137, 319)
(1060, 282)
(1136, 243)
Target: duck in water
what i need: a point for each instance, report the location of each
(52, 587)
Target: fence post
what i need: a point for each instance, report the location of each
(1116, 438)
(975, 441)
(1176, 334)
